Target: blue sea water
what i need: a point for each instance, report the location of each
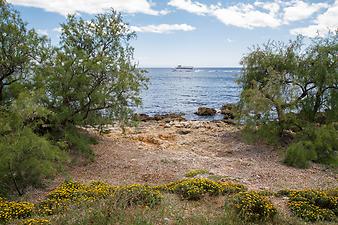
(183, 92)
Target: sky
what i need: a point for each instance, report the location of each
(213, 33)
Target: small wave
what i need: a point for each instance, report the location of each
(231, 70)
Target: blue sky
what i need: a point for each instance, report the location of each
(213, 33)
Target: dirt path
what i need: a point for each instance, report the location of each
(159, 152)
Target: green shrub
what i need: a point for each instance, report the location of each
(137, 194)
(300, 154)
(193, 173)
(253, 207)
(318, 145)
(26, 160)
(79, 142)
(313, 205)
(266, 133)
(325, 142)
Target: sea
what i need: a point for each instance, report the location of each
(171, 91)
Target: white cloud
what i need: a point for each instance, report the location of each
(251, 15)
(300, 10)
(272, 7)
(42, 32)
(57, 29)
(188, 5)
(229, 40)
(246, 16)
(65, 7)
(163, 28)
(325, 22)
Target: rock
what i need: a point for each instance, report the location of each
(184, 132)
(142, 117)
(169, 117)
(228, 110)
(159, 117)
(229, 121)
(204, 111)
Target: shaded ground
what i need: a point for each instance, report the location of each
(159, 152)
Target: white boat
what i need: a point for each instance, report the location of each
(181, 68)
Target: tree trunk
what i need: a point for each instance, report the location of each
(1, 94)
(281, 118)
(317, 105)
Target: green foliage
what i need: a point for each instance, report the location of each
(26, 159)
(79, 141)
(91, 78)
(137, 194)
(196, 188)
(324, 140)
(193, 173)
(21, 51)
(318, 145)
(253, 207)
(313, 205)
(279, 78)
(265, 133)
(47, 92)
(300, 154)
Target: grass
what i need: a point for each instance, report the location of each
(100, 203)
(172, 210)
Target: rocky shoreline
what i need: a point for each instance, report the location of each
(229, 112)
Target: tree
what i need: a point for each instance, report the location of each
(20, 51)
(91, 77)
(320, 72)
(279, 79)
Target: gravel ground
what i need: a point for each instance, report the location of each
(159, 152)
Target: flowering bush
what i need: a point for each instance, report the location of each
(137, 194)
(196, 188)
(74, 193)
(230, 188)
(313, 205)
(253, 207)
(14, 210)
(35, 221)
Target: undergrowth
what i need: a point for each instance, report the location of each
(219, 203)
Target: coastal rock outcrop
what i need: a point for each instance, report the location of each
(204, 111)
(165, 117)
